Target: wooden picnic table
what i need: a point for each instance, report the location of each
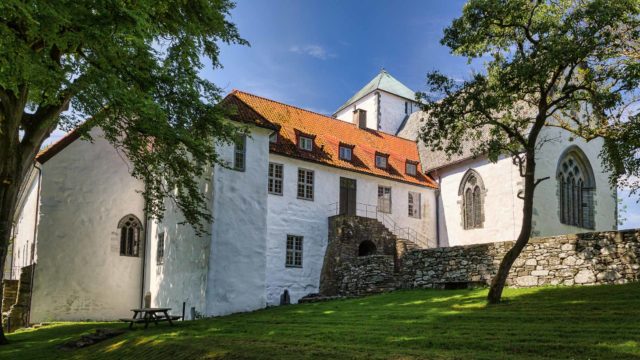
(147, 315)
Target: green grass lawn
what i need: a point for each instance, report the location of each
(600, 322)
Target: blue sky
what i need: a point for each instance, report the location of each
(317, 53)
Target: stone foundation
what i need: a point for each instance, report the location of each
(17, 315)
(583, 259)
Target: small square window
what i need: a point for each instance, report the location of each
(305, 143)
(294, 251)
(381, 161)
(273, 138)
(411, 169)
(345, 153)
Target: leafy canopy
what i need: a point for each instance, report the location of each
(133, 68)
(564, 63)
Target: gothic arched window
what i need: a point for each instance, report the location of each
(472, 192)
(576, 189)
(130, 230)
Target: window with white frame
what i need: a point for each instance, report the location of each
(275, 178)
(305, 143)
(381, 161)
(345, 153)
(305, 184)
(384, 199)
(160, 249)
(414, 204)
(294, 251)
(411, 168)
(240, 153)
(273, 138)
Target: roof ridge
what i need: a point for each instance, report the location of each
(235, 91)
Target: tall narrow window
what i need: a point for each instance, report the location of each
(240, 153)
(576, 189)
(294, 251)
(384, 199)
(414, 204)
(305, 184)
(130, 228)
(406, 107)
(472, 192)
(160, 249)
(275, 179)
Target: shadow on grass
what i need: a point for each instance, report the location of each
(556, 323)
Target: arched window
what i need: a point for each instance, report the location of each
(576, 189)
(472, 192)
(130, 229)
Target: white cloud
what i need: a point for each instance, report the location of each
(312, 50)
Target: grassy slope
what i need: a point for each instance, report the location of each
(582, 322)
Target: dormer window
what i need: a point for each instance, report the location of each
(345, 151)
(381, 161)
(305, 143)
(273, 138)
(411, 168)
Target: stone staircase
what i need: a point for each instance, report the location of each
(348, 270)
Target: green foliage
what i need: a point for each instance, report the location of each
(564, 63)
(594, 322)
(133, 68)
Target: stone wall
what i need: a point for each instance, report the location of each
(368, 275)
(9, 294)
(18, 315)
(583, 259)
(341, 260)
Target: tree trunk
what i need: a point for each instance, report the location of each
(498, 281)
(10, 183)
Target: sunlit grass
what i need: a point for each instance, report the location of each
(599, 322)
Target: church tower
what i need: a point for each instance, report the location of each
(382, 104)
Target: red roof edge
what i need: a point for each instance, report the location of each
(51, 151)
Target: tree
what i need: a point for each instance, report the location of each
(557, 63)
(132, 67)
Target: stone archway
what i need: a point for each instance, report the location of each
(367, 248)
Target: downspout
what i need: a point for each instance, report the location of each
(144, 256)
(438, 209)
(35, 240)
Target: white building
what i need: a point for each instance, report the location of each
(97, 254)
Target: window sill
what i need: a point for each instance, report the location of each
(293, 266)
(274, 193)
(306, 199)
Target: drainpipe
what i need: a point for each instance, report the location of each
(35, 240)
(438, 209)
(144, 256)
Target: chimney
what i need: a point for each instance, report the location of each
(360, 118)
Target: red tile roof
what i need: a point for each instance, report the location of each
(328, 133)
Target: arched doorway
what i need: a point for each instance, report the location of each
(367, 248)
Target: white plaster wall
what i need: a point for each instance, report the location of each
(24, 230)
(237, 263)
(502, 208)
(86, 190)
(392, 111)
(289, 215)
(182, 276)
(546, 214)
(367, 103)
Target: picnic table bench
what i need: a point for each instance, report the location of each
(147, 315)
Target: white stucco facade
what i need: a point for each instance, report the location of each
(86, 189)
(502, 181)
(22, 248)
(288, 215)
(385, 111)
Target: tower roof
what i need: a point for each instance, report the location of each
(383, 81)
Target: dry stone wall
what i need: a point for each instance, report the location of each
(583, 259)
